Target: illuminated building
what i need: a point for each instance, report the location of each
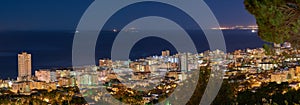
(165, 53)
(27, 86)
(24, 66)
(140, 67)
(267, 66)
(286, 45)
(4, 83)
(53, 76)
(297, 69)
(63, 73)
(184, 62)
(278, 77)
(105, 63)
(43, 75)
(66, 82)
(88, 79)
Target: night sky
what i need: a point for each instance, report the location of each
(30, 15)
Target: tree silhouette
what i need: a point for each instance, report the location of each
(278, 20)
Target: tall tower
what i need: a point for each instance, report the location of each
(165, 53)
(24, 66)
(184, 62)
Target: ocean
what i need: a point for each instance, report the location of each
(53, 49)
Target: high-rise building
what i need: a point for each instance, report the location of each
(165, 53)
(53, 76)
(184, 62)
(24, 66)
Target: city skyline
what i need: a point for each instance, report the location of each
(147, 52)
(57, 53)
(260, 66)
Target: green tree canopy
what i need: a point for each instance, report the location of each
(278, 20)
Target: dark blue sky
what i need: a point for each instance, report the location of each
(33, 15)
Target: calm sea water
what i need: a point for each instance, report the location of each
(53, 49)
